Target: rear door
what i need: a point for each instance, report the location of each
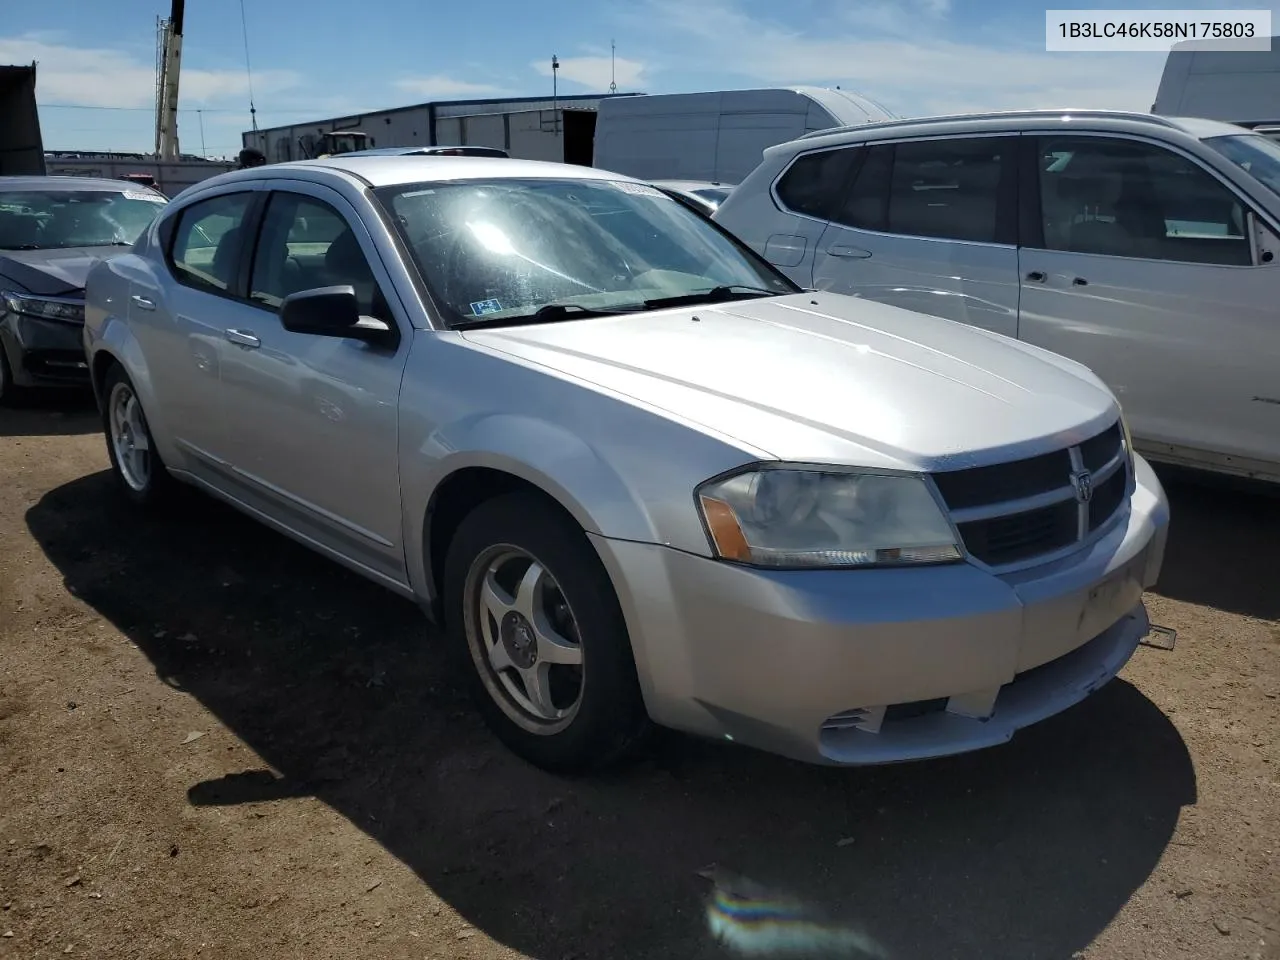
(179, 312)
(930, 225)
(1139, 262)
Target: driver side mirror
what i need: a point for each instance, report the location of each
(335, 312)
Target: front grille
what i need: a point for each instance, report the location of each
(1009, 513)
(1020, 536)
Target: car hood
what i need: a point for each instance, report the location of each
(829, 378)
(57, 272)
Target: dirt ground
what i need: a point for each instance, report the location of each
(215, 744)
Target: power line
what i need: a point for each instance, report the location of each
(244, 27)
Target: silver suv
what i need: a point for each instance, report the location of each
(1142, 246)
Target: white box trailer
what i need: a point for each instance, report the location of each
(1237, 86)
(720, 135)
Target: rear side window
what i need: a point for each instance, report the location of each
(867, 205)
(814, 184)
(208, 240)
(954, 189)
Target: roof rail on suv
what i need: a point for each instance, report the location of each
(996, 115)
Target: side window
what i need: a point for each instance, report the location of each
(208, 240)
(814, 184)
(954, 189)
(867, 205)
(1128, 199)
(304, 244)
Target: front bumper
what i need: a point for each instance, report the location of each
(43, 353)
(876, 666)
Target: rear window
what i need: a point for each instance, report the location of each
(814, 184)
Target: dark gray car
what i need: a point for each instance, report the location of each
(52, 231)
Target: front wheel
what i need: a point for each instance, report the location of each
(546, 648)
(135, 463)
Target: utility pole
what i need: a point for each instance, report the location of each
(204, 151)
(555, 93)
(613, 67)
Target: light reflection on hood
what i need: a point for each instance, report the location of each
(754, 921)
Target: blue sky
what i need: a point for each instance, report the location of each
(325, 58)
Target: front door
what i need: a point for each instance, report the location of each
(1146, 273)
(930, 225)
(318, 415)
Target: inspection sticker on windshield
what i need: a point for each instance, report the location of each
(640, 189)
(481, 307)
(134, 195)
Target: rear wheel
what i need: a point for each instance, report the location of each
(135, 463)
(534, 615)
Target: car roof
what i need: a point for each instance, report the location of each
(386, 171)
(1014, 120)
(88, 184)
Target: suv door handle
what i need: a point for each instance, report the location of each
(242, 337)
(142, 303)
(854, 253)
(1080, 282)
(1037, 276)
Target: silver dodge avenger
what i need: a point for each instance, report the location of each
(637, 474)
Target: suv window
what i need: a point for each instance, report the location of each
(814, 184)
(1124, 198)
(305, 243)
(208, 240)
(867, 205)
(950, 188)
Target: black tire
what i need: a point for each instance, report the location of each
(610, 718)
(160, 485)
(10, 393)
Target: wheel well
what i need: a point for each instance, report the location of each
(101, 363)
(457, 496)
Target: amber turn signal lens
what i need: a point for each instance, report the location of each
(725, 530)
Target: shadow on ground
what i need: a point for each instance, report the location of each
(53, 413)
(1222, 542)
(1025, 850)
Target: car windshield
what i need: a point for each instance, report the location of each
(45, 219)
(1258, 155)
(506, 249)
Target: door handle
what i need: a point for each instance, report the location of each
(243, 338)
(142, 303)
(853, 253)
(1037, 276)
(1080, 282)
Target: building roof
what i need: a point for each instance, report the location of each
(449, 105)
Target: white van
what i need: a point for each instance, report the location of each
(717, 136)
(1237, 86)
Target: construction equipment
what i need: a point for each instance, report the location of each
(168, 69)
(21, 148)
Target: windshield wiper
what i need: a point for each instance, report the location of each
(548, 313)
(721, 294)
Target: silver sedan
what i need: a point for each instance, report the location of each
(638, 475)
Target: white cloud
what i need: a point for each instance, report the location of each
(907, 55)
(115, 78)
(439, 85)
(595, 73)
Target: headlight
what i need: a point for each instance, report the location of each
(46, 308)
(789, 517)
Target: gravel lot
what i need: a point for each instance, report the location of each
(215, 744)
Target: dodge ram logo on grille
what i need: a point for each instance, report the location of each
(1082, 482)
